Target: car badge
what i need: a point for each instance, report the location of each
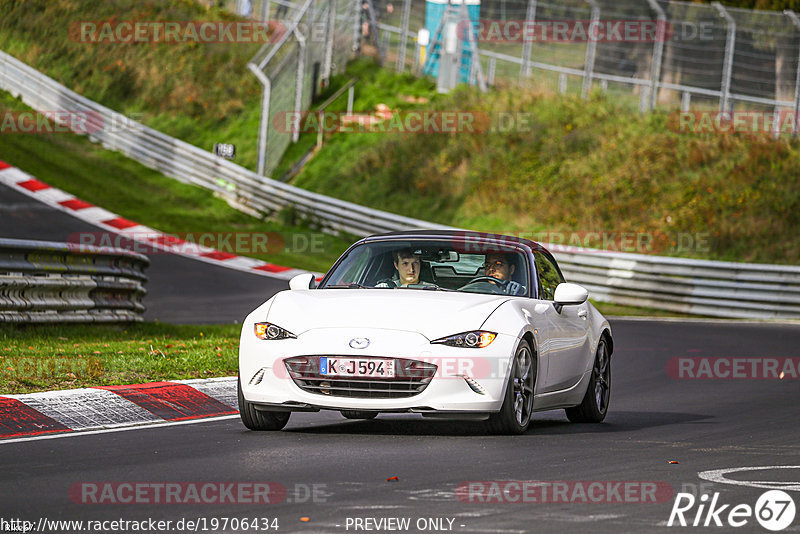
(359, 343)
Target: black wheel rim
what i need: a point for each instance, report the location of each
(602, 378)
(523, 386)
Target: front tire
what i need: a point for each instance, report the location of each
(594, 406)
(257, 420)
(515, 415)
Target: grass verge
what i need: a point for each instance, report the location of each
(49, 357)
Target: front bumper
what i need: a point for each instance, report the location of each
(267, 383)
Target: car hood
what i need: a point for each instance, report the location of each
(434, 314)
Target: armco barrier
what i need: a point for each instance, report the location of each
(720, 289)
(44, 282)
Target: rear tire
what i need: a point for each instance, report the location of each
(359, 414)
(515, 415)
(257, 420)
(594, 406)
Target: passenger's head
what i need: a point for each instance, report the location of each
(407, 264)
(498, 265)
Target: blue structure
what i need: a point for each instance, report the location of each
(434, 13)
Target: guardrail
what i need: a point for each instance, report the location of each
(719, 289)
(699, 287)
(45, 282)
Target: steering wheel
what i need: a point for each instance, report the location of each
(508, 287)
(489, 281)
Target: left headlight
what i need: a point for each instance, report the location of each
(271, 331)
(477, 339)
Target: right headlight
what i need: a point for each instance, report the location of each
(477, 339)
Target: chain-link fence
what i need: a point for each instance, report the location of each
(667, 53)
(317, 38)
(660, 52)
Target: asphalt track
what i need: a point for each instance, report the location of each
(180, 290)
(654, 419)
(336, 470)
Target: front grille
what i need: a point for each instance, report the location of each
(411, 378)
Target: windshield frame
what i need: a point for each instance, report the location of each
(531, 288)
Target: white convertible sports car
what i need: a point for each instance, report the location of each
(445, 324)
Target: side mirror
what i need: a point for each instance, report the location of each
(569, 295)
(303, 281)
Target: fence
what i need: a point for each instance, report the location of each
(319, 38)
(53, 282)
(694, 54)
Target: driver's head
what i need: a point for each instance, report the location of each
(407, 264)
(499, 266)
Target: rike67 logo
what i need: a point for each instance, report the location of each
(774, 510)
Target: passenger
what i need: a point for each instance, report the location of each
(407, 266)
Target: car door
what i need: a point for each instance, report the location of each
(568, 329)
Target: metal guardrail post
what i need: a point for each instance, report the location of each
(530, 18)
(730, 47)
(591, 50)
(401, 54)
(795, 128)
(658, 51)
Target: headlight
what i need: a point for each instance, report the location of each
(471, 340)
(271, 331)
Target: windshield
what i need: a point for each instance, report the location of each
(431, 265)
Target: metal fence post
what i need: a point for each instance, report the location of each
(300, 78)
(591, 49)
(401, 54)
(658, 52)
(327, 64)
(356, 25)
(265, 6)
(795, 127)
(263, 124)
(530, 18)
(730, 46)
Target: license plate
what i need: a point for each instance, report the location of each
(361, 367)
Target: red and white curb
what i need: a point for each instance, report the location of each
(113, 407)
(148, 237)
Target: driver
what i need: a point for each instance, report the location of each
(498, 265)
(407, 266)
